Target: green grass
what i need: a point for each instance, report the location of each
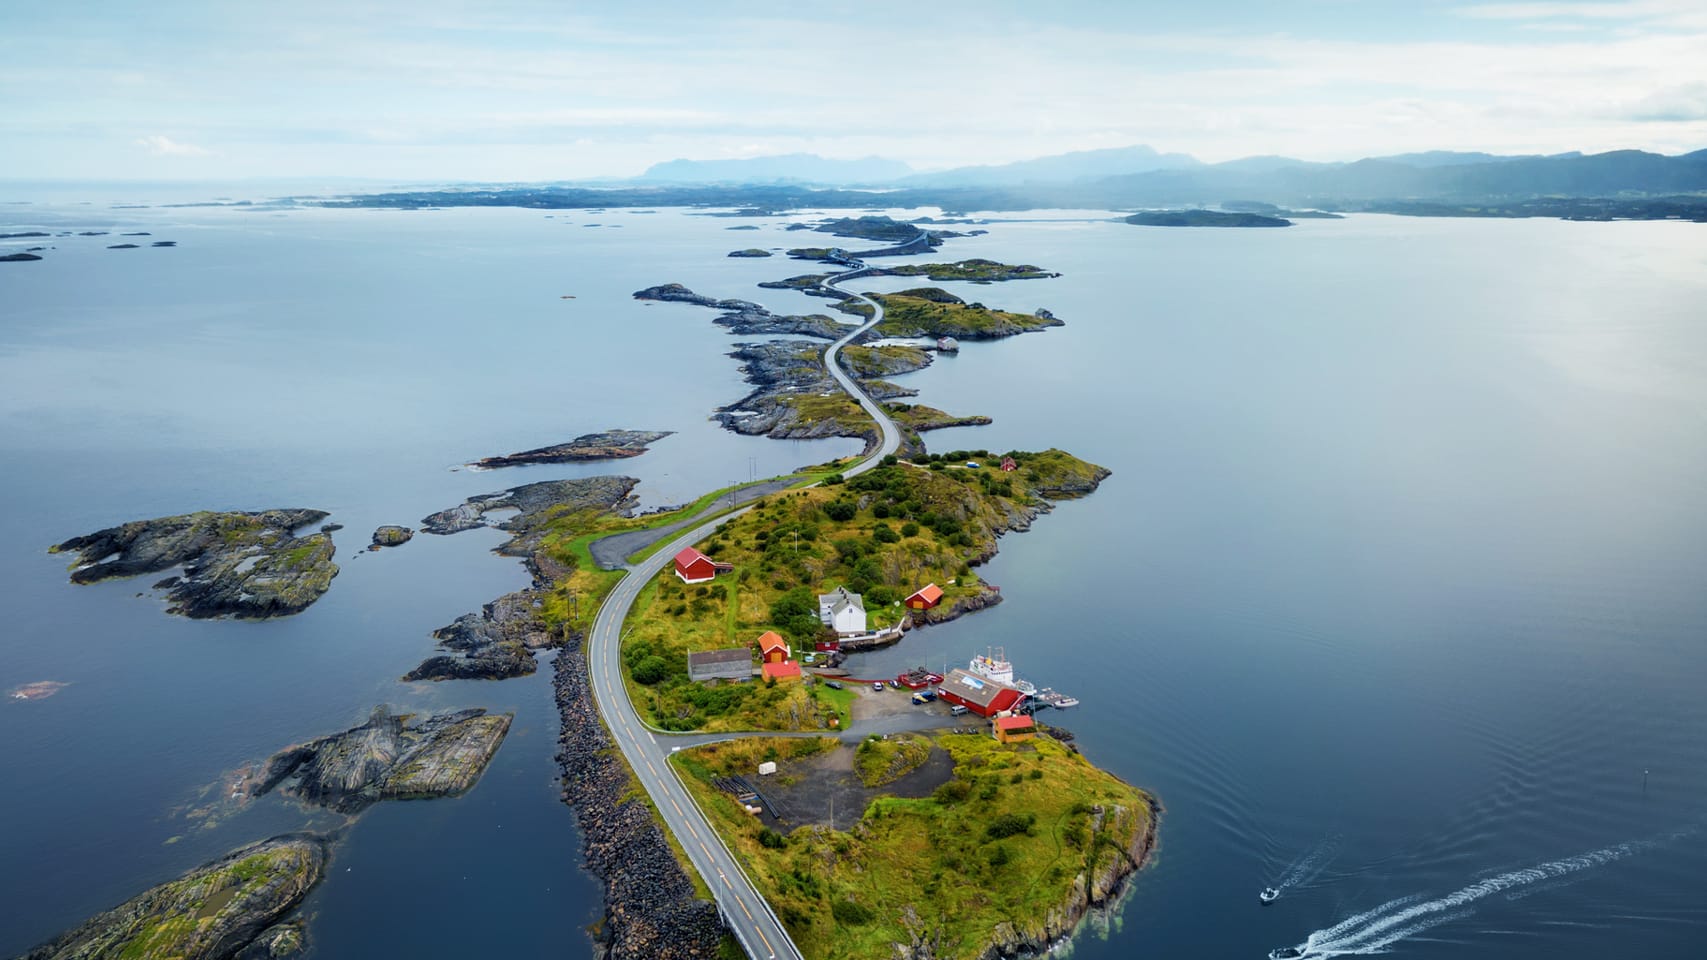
(917, 526)
(880, 760)
(929, 312)
(934, 857)
(976, 269)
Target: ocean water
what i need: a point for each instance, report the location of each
(1395, 598)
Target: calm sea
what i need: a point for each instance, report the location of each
(1396, 598)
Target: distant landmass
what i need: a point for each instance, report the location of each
(800, 167)
(1615, 185)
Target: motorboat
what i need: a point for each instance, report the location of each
(1285, 953)
(1268, 895)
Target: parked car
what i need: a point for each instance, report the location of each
(877, 685)
(957, 710)
(833, 685)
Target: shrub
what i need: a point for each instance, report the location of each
(883, 534)
(840, 511)
(771, 839)
(999, 856)
(650, 670)
(1009, 825)
(909, 529)
(953, 791)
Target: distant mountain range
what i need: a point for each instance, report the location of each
(1140, 176)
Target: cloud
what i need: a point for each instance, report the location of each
(162, 146)
(1676, 105)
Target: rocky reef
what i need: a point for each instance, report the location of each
(500, 640)
(532, 500)
(247, 565)
(18, 257)
(387, 759)
(227, 908)
(608, 445)
(748, 318)
(976, 270)
(651, 912)
(753, 252)
(391, 535)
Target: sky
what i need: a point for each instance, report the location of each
(515, 90)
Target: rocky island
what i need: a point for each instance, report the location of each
(230, 908)
(386, 759)
(247, 565)
(934, 312)
(609, 445)
(18, 257)
(390, 535)
(745, 317)
(750, 252)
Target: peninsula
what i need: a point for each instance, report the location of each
(609, 445)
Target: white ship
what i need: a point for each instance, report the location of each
(994, 665)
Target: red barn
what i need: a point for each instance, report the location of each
(773, 648)
(695, 567)
(927, 597)
(1008, 465)
(980, 695)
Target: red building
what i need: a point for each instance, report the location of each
(787, 670)
(695, 567)
(980, 695)
(773, 648)
(927, 597)
(1013, 729)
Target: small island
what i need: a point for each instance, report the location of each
(976, 270)
(390, 535)
(242, 564)
(1203, 218)
(750, 252)
(386, 759)
(934, 312)
(18, 258)
(609, 445)
(234, 906)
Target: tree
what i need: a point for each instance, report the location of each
(650, 670)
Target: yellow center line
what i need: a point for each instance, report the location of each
(768, 948)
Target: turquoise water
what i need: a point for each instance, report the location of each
(1396, 589)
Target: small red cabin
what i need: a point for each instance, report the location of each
(773, 648)
(786, 670)
(1008, 465)
(695, 567)
(927, 597)
(1013, 729)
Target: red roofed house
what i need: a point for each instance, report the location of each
(980, 695)
(695, 567)
(786, 670)
(1013, 729)
(1008, 465)
(927, 597)
(773, 649)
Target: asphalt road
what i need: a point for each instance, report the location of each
(744, 910)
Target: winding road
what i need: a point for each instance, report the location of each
(744, 910)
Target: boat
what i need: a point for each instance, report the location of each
(1268, 895)
(917, 678)
(993, 665)
(1285, 953)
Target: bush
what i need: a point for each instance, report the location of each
(840, 511)
(1009, 825)
(954, 791)
(909, 529)
(999, 856)
(771, 839)
(883, 534)
(650, 670)
(851, 914)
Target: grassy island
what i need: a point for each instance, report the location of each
(978, 846)
(934, 312)
(977, 270)
(1203, 218)
(882, 534)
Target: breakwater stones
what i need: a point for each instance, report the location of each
(651, 912)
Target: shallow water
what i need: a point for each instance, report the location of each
(1400, 566)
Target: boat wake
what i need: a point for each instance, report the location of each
(1372, 931)
(1309, 866)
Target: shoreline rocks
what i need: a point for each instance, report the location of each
(651, 911)
(785, 373)
(213, 912)
(609, 445)
(532, 500)
(386, 759)
(249, 565)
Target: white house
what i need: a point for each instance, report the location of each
(842, 612)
